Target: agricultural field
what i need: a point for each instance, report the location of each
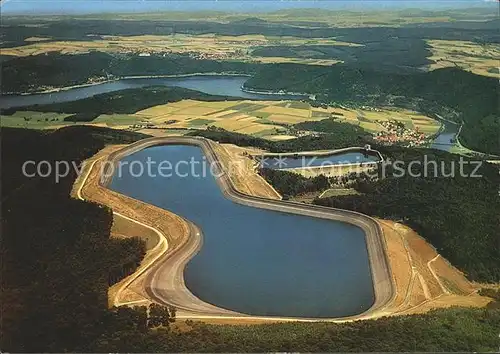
(267, 60)
(412, 120)
(206, 46)
(480, 59)
(52, 120)
(271, 120)
(116, 120)
(36, 39)
(236, 116)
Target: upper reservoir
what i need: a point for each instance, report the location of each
(253, 260)
(284, 162)
(210, 84)
(445, 140)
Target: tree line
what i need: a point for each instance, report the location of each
(290, 184)
(58, 259)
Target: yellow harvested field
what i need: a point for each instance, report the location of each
(198, 110)
(157, 110)
(423, 121)
(36, 39)
(232, 124)
(340, 113)
(255, 128)
(279, 137)
(177, 117)
(287, 111)
(242, 38)
(325, 41)
(324, 62)
(245, 118)
(185, 103)
(264, 103)
(221, 113)
(384, 115)
(400, 117)
(429, 130)
(241, 117)
(370, 126)
(234, 116)
(178, 125)
(481, 59)
(220, 104)
(418, 116)
(284, 118)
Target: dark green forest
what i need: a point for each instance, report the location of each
(292, 184)
(349, 133)
(57, 257)
(450, 330)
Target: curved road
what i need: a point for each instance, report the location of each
(165, 281)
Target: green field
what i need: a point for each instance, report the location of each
(199, 122)
(34, 120)
(116, 119)
(47, 120)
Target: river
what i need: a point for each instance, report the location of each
(444, 141)
(210, 84)
(255, 261)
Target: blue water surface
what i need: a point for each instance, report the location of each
(256, 261)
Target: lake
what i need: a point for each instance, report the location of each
(210, 84)
(256, 261)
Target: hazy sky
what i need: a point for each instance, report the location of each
(95, 6)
